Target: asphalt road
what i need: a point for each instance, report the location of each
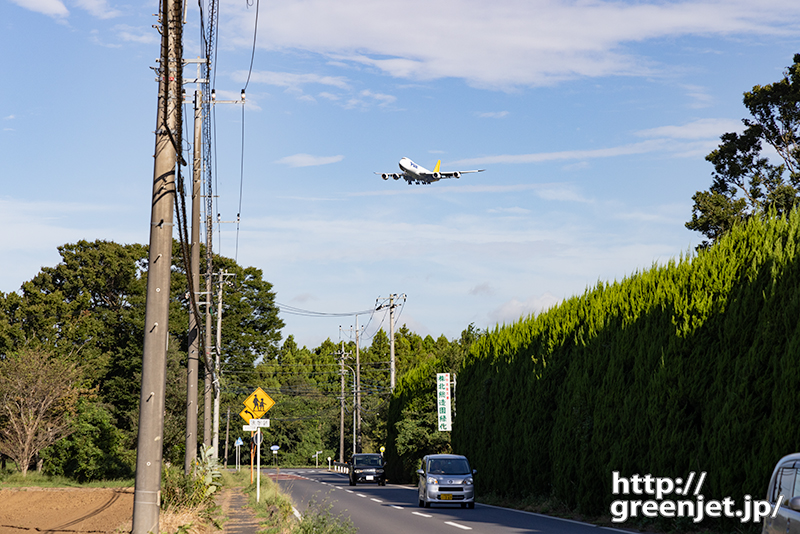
(392, 509)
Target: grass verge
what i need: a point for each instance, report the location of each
(11, 478)
(276, 514)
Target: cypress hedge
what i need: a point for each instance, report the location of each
(688, 366)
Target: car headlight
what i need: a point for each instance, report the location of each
(432, 480)
(468, 481)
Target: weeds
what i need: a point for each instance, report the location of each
(318, 519)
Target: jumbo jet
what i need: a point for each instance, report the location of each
(416, 174)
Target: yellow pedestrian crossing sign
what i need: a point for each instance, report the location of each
(258, 403)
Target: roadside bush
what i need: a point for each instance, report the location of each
(197, 489)
(319, 519)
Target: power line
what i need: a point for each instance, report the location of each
(292, 310)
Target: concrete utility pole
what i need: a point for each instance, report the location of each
(357, 444)
(341, 414)
(209, 382)
(227, 432)
(156, 332)
(392, 372)
(218, 352)
(391, 306)
(192, 366)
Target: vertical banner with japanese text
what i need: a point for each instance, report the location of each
(443, 401)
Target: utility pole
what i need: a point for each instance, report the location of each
(227, 432)
(218, 352)
(146, 505)
(210, 386)
(209, 382)
(192, 367)
(215, 436)
(391, 306)
(357, 445)
(341, 414)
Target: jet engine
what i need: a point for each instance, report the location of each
(385, 176)
(457, 174)
(436, 176)
(396, 176)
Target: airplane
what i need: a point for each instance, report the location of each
(413, 173)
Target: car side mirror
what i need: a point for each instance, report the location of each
(420, 472)
(474, 472)
(794, 504)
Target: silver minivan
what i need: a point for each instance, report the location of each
(446, 479)
(784, 482)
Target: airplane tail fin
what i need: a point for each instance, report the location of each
(438, 164)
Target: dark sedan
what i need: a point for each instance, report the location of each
(367, 467)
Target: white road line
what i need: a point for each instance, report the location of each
(398, 507)
(376, 500)
(360, 494)
(296, 514)
(462, 527)
(421, 514)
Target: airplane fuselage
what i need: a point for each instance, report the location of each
(412, 170)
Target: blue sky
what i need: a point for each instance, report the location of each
(591, 118)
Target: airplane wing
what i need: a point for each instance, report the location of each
(438, 175)
(457, 174)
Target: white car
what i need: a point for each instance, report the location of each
(446, 479)
(784, 482)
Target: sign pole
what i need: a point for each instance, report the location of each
(258, 455)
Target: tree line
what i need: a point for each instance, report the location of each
(75, 332)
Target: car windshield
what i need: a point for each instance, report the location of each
(367, 461)
(448, 466)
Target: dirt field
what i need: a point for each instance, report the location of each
(56, 510)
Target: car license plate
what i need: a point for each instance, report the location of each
(446, 497)
(369, 477)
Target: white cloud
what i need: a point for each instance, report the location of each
(505, 43)
(367, 98)
(699, 129)
(514, 309)
(562, 193)
(51, 8)
(141, 35)
(493, 115)
(98, 8)
(307, 160)
(693, 139)
(624, 150)
(516, 210)
(292, 80)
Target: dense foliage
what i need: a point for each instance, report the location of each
(690, 366)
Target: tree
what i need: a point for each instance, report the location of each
(746, 182)
(38, 394)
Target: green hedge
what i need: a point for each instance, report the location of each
(689, 366)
